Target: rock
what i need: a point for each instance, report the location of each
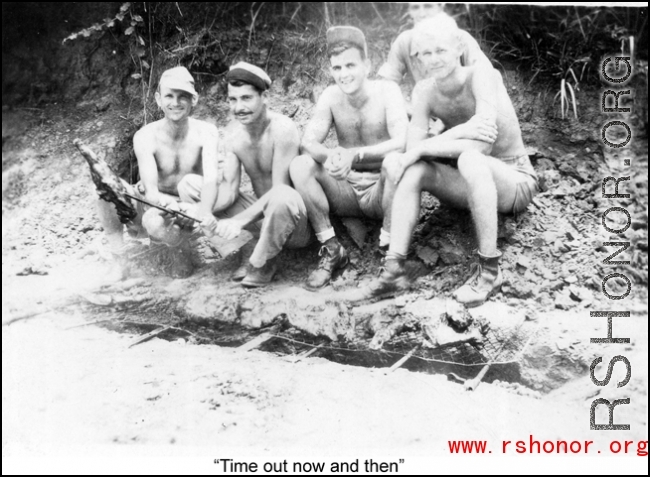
(103, 104)
(523, 261)
(428, 255)
(450, 254)
(563, 301)
(580, 293)
(356, 229)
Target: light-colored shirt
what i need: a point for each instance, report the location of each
(400, 61)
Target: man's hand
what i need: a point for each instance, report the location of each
(478, 128)
(397, 165)
(228, 229)
(339, 163)
(209, 225)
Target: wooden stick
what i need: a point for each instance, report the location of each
(472, 384)
(305, 354)
(403, 360)
(149, 335)
(101, 320)
(257, 341)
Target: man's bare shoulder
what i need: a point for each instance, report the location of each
(204, 128)
(282, 126)
(330, 96)
(424, 88)
(150, 128)
(388, 88)
(482, 73)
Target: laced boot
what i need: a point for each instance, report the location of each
(259, 277)
(393, 278)
(485, 281)
(333, 257)
(242, 270)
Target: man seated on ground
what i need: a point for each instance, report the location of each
(167, 150)
(349, 180)
(265, 143)
(401, 60)
(493, 172)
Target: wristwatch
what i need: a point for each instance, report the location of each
(358, 157)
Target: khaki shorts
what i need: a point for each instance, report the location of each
(368, 190)
(527, 186)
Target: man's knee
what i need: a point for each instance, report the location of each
(189, 188)
(284, 200)
(415, 175)
(387, 166)
(153, 222)
(473, 164)
(302, 167)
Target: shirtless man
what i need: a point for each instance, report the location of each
(265, 143)
(167, 150)
(401, 60)
(370, 122)
(493, 172)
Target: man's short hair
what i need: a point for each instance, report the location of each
(433, 26)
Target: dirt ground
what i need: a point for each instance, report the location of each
(74, 391)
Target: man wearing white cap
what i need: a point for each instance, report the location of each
(265, 143)
(370, 122)
(167, 151)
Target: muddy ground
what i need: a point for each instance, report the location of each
(68, 388)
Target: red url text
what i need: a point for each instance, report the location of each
(533, 446)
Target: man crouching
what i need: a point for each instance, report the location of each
(167, 151)
(265, 143)
(489, 171)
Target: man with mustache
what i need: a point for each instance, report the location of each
(265, 143)
(349, 180)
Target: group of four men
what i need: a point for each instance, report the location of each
(380, 167)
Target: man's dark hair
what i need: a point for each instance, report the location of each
(237, 83)
(340, 47)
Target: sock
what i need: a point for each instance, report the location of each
(395, 256)
(325, 235)
(384, 238)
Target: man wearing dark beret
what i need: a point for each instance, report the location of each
(265, 143)
(370, 121)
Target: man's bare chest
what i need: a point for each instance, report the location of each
(453, 111)
(177, 157)
(363, 124)
(257, 158)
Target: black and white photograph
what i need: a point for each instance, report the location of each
(324, 237)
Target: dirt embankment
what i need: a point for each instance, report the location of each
(53, 252)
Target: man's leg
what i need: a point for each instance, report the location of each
(322, 193)
(285, 223)
(114, 232)
(388, 188)
(491, 186)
